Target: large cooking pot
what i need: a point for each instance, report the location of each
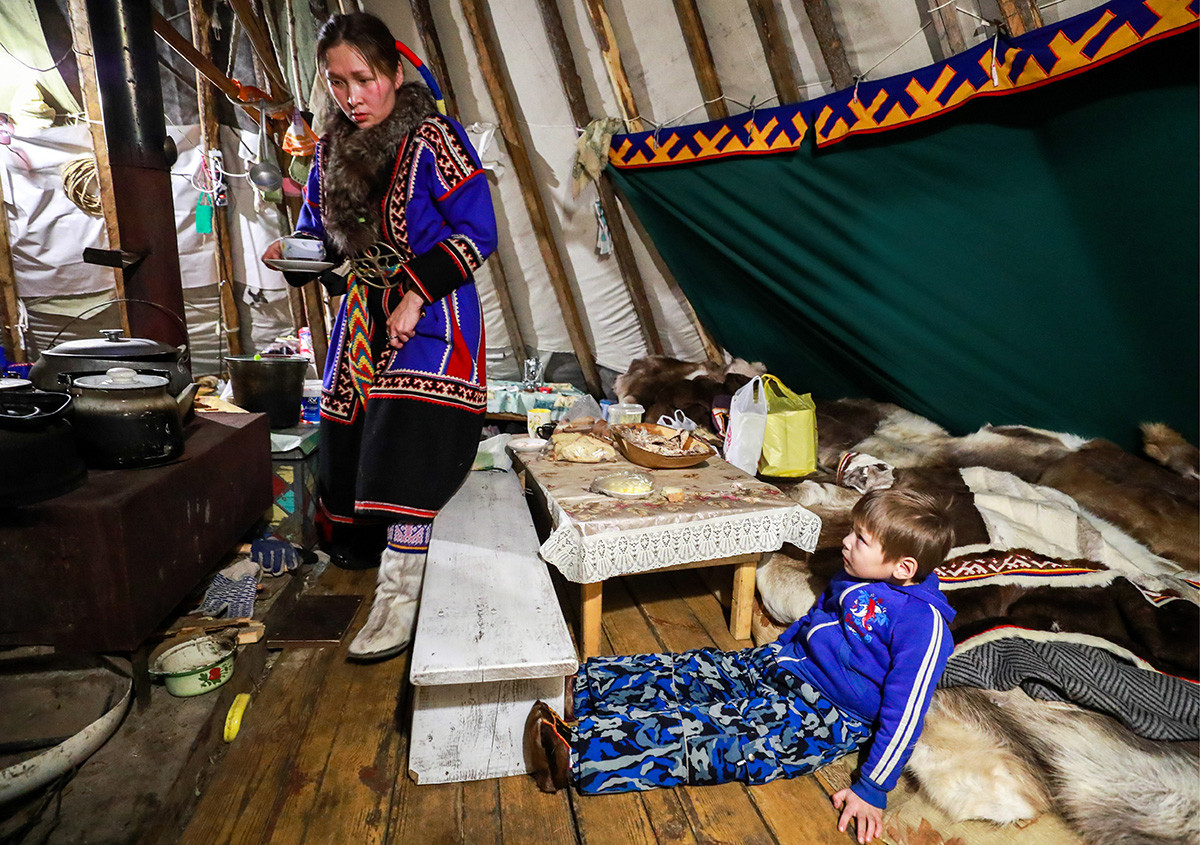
(126, 419)
(60, 365)
(38, 456)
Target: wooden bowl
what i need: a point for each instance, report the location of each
(644, 457)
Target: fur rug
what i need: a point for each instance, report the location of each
(1003, 756)
(662, 385)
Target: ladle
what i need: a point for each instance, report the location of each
(265, 175)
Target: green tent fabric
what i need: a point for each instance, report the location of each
(1027, 259)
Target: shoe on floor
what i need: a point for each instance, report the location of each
(547, 748)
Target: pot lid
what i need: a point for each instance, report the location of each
(114, 345)
(121, 378)
(14, 383)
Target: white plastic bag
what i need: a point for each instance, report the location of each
(747, 426)
(680, 420)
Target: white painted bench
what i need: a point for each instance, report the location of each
(490, 639)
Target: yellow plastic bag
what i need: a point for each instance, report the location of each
(790, 444)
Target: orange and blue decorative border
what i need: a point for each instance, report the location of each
(1053, 52)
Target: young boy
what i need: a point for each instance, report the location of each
(857, 669)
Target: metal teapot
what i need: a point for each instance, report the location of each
(127, 419)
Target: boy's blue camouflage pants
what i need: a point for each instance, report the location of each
(700, 717)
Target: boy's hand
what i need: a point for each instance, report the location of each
(868, 819)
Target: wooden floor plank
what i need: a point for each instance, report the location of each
(480, 809)
(240, 802)
(348, 760)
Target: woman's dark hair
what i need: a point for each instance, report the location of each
(365, 33)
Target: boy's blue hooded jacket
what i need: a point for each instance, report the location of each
(877, 652)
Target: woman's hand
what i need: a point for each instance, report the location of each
(274, 251)
(402, 324)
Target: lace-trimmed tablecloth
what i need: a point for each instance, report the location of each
(723, 512)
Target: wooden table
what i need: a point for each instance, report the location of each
(724, 516)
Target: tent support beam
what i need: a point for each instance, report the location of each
(702, 61)
(261, 42)
(1020, 16)
(434, 57)
(945, 24)
(568, 73)
(483, 33)
(210, 130)
(602, 26)
(423, 17)
(81, 35)
(10, 308)
(772, 32)
(830, 42)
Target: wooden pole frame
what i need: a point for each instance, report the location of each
(1020, 16)
(10, 306)
(81, 34)
(702, 60)
(434, 57)
(602, 27)
(483, 33)
(772, 34)
(580, 114)
(830, 42)
(945, 24)
(210, 133)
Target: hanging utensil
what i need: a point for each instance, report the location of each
(265, 175)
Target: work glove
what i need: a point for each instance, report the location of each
(232, 591)
(274, 556)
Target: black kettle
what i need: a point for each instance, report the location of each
(38, 453)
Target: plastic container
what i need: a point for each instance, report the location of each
(310, 403)
(622, 413)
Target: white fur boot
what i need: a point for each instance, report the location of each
(393, 614)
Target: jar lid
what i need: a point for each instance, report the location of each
(121, 378)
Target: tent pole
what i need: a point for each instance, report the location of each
(702, 60)
(434, 57)
(261, 42)
(90, 90)
(423, 17)
(10, 307)
(1020, 16)
(830, 42)
(491, 64)
(201, 19)
(569, 76)
(602, 26)
(945, 23)
(771, 32)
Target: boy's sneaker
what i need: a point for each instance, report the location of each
(547, 748)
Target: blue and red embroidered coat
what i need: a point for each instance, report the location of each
(400, 453)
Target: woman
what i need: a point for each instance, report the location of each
(398, 190)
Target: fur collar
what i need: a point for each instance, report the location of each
(358, 167)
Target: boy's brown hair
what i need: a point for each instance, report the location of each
(907, 523)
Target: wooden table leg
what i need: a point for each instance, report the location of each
(592, 600)
(742, 602)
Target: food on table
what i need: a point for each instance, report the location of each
(624, 484)
(581, 448)
(676, 442)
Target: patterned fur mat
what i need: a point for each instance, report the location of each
(1046, 522)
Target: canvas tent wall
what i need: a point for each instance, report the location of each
(880, 38)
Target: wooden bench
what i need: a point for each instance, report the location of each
(490, 638)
